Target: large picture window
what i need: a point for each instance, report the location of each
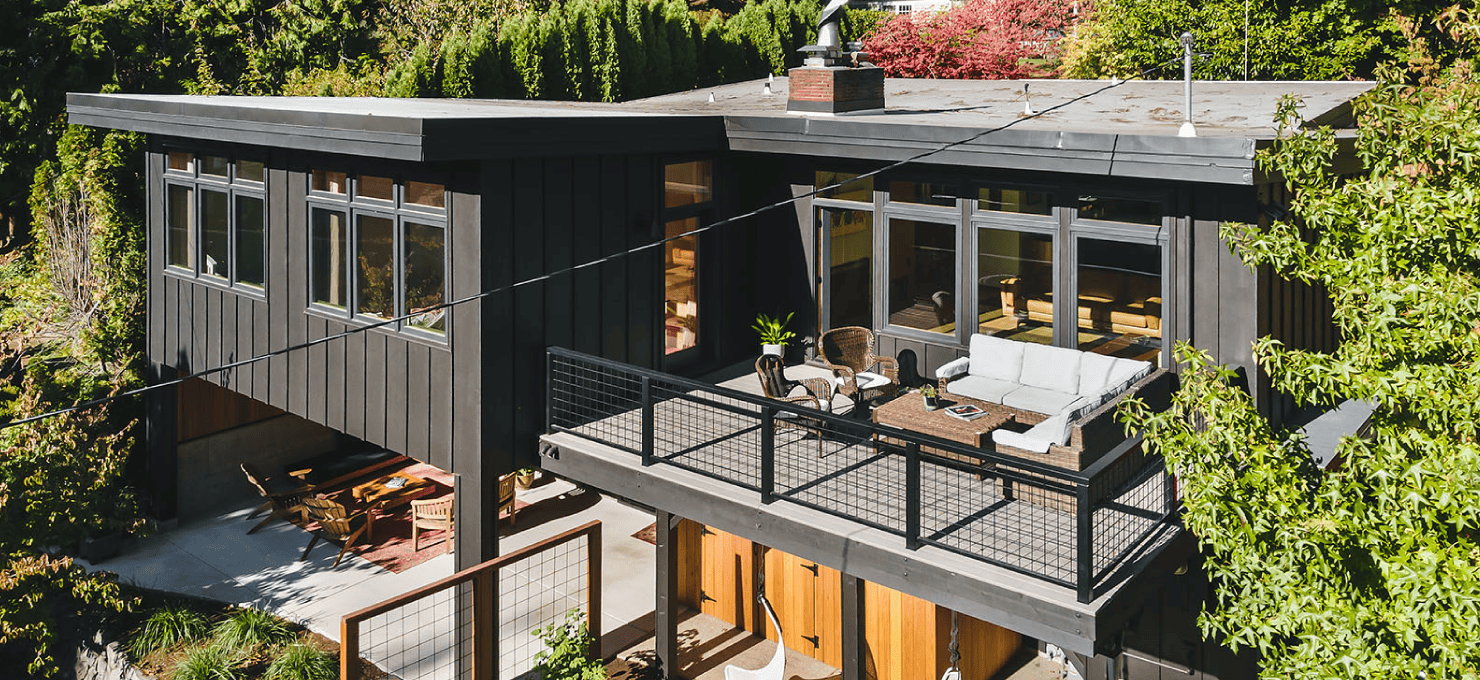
(1015, 285)
(378, 248)
(1119, 299)
(215, 218)
(922, 275)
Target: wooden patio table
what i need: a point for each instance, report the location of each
(375, 494)
(908, 413)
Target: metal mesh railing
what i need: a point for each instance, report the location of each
(1068, 527)
(480, 623)
(424, 639)
(537, 592)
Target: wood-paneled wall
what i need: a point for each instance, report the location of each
(206, 409)
(906, 637)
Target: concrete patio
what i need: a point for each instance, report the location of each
(215, 558)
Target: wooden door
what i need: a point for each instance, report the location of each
(726, 584)
(807, 597)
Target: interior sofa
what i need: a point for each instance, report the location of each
(1108, 301)
(1068, 396)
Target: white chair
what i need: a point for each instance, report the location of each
(775, 669)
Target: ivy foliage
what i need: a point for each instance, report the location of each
(1286, 39)
(567, 653)
(1372, 569)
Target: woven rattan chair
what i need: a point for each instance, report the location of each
(436, 514)
(283, 497)
(776, 385)
(336, 523)
(862, 376)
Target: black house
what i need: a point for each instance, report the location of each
(275, 222)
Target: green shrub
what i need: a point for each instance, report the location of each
(210, 662)
(302, 662)
(567, 651)
(166, 628)
(249, 629)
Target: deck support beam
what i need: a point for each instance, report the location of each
(665, 609)
(854, 649)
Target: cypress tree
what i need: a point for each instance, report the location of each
(683, 35)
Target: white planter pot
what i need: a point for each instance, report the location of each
(773, 350)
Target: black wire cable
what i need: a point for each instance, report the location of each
(566, 270)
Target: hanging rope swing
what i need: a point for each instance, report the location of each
(954, 672)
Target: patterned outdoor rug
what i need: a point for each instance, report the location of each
(390, 548)
(648, 534)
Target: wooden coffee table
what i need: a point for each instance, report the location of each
(375, 494)
(908, 413)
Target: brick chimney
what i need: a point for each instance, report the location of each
(835, 89)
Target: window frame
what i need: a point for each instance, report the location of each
(354, 206)
(198, 182)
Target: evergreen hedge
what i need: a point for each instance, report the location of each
(612, 50)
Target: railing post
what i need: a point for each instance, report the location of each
(349, 649)
(1084, 514)
(593, 591)
(647, 421)
(485, 630)
(549, 391)
(768, 454)
(912, 496)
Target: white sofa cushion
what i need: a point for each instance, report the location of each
(996, 358)
(1038, 400)
(954, 368)
(984, 389)
(1051, 368)
(1055, 430)
(1124, 374)
(1094, 373)
(1082, 407)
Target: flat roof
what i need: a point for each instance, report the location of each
(1126, 129)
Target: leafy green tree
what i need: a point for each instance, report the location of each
(1286, 40)
(38, 597)
(1371, 569)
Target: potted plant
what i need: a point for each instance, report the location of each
(524, 478)
(932, 400)
(774, 336)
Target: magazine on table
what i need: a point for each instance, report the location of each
(965, 411)
(396, 483)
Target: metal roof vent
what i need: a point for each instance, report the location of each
(1187, 129)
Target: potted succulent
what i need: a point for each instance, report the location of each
(932, 400)
(524, 478)
(774, 336)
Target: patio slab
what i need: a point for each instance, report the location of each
(214, 557)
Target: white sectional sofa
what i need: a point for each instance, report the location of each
(1056, 389)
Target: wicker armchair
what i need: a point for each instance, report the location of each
(777, 386)
(862, 376)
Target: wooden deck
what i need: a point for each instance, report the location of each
(845, 474)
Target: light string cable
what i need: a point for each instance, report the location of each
(567, 270)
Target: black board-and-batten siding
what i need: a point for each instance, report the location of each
(473, 404)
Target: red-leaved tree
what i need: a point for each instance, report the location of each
(982, 39)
